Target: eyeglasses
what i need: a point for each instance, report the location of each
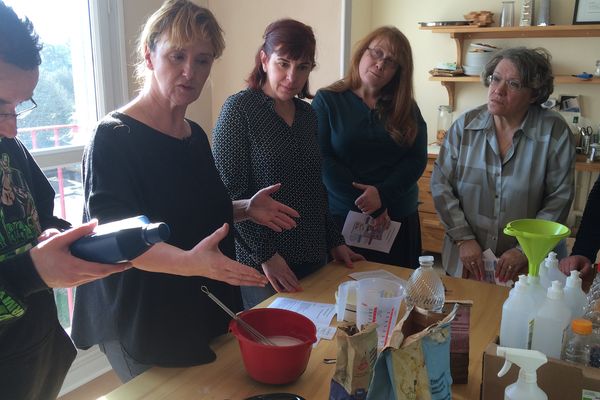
(377, 55)
(512, 84)
(21, 110)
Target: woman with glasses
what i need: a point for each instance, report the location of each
(266, 133)
(505, 160)
(374, 142)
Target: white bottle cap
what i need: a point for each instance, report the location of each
(523, 280)
(551, 260)
(555, 292)
(573, 280)
(426, 259)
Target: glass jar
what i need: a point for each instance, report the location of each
(507, 15)
(597, 73)
(444, 121)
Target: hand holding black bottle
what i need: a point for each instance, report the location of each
(120, 241)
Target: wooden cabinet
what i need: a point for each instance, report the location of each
(432, 230)
(460, 33)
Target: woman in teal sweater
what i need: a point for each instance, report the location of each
(374, 142)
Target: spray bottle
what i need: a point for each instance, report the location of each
(525, 388)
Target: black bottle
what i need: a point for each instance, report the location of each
(120, 241)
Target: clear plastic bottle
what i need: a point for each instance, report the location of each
(536, 290)
(597, 72)
(576, 342)
(574, 295)
(550, 322)
(592, 307)
(552, 272)
(425, 288)
(517, 313)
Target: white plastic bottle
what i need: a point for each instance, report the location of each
(425, 288)
(550, 321)
(517, 313)
(536, 291)
(525, 388)
(574, 295)
(577, 341)
(552, 272)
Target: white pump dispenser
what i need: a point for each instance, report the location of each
(574, 295)
(525, 388)
(552, 272)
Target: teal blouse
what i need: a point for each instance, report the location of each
(357, 148)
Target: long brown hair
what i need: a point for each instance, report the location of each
(288, 37)
(396, 103)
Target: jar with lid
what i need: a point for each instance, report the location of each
(444, 121)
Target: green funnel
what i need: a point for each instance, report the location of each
(536, 237)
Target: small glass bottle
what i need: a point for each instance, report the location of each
(597, 72)
(425, 288)
(444, 121)
(576, 342)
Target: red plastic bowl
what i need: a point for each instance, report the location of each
(275, 364)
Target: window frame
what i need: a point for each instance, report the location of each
(107, 34)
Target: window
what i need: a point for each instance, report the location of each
(82, 77)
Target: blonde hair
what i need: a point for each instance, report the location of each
(396, 104)
(182, 22)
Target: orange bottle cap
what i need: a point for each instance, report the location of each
(581, 326)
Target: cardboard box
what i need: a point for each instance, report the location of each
(559, 379)
(459, 341)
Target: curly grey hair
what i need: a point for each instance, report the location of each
(534, 69)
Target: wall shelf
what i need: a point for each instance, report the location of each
(467, 32)
(449, 82)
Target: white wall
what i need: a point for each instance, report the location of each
(244, 23)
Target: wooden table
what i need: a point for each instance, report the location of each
(226, 378)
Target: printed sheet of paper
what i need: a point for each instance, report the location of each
(359, 232)
(320, 314)
(489, 261)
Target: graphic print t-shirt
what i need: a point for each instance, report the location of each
(19, 222)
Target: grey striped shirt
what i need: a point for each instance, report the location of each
(476, 192)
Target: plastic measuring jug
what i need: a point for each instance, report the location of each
(378, 300)
(346, 301)
(536, 237)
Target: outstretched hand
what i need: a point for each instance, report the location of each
(58, 268)
(264, 210)
(206, 259)
(280, 275)
(344, 254)
(369, 201)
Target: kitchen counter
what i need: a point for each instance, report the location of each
(226, 377)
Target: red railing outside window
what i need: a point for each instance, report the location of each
(68, 203)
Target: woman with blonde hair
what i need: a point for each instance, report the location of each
(147, 158)
(374, 142)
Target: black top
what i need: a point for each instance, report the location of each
(35, 352)
(587, 242)
(254, 148)
(131, 169)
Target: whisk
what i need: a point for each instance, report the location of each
(256, 335)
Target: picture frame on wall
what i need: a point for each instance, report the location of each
(586, 12)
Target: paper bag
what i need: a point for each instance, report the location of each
(356, 355)
(415, 364)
